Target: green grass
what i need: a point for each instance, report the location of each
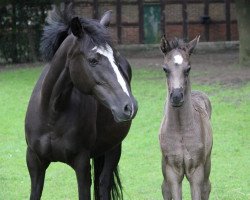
(140, 165)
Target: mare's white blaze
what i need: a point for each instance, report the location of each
(108, 53)
(178, 59)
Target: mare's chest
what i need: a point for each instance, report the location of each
(74, 128)
(85, 124)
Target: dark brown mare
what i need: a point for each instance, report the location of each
(81, 106)
(185, 134)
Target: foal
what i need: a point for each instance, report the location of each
(185, 133)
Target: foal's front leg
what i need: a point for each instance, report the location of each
(172, 184)
(166, 193)
(196, 180)
(82, 169)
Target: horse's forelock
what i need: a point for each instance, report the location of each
(177, 43)
(97, 33)
(58, 28)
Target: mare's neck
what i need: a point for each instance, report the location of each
(181, 118)
(56, 74)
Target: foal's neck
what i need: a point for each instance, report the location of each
(180, 118)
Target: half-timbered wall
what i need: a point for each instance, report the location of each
(214, 20)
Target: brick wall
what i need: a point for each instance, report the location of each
(173, 19)
(130, 35)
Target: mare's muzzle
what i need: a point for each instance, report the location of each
(176, 97)
(128, 112)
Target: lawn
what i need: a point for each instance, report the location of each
(140, 166)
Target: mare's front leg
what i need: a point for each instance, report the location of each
(172, 184)
(37, 167)
(111, 160)
(82, 168)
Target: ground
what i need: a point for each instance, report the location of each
(216, 74)
(218, 67)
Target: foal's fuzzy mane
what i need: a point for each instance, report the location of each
(57, 28)
(177, 43)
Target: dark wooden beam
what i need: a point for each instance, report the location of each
(185, 19)
(119, 21)
(141, 21)
(156, 1)
(95, 9)
(197, 22)
(191, 1)
(163, 20)
(206, 25)
(135, 24)
(228, 20)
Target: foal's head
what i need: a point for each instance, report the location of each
(177, 66)
(96, 68)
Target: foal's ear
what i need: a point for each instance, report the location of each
(106, 18)
(192, 44)
(76, 27)
(164, 45)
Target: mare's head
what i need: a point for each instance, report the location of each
(96, 68)
(177, 67)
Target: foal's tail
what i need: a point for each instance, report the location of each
(116, 186)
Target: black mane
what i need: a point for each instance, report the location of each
(54, 32)
(58, 28)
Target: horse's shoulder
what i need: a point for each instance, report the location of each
(201, 103)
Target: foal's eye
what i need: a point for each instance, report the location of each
(186, 71)
(166, 70)
(93, 61)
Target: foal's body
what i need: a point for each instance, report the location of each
(186, 146)
(185, 137)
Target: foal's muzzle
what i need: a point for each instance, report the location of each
(176, 97)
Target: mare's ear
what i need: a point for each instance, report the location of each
(164, 45)
(76, 27)
(106, 18)
(192, 44)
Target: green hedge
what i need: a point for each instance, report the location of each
(21, 24)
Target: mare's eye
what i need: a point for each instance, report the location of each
(186, 72)
(93, 61)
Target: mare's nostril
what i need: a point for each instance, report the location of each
(128, 109)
